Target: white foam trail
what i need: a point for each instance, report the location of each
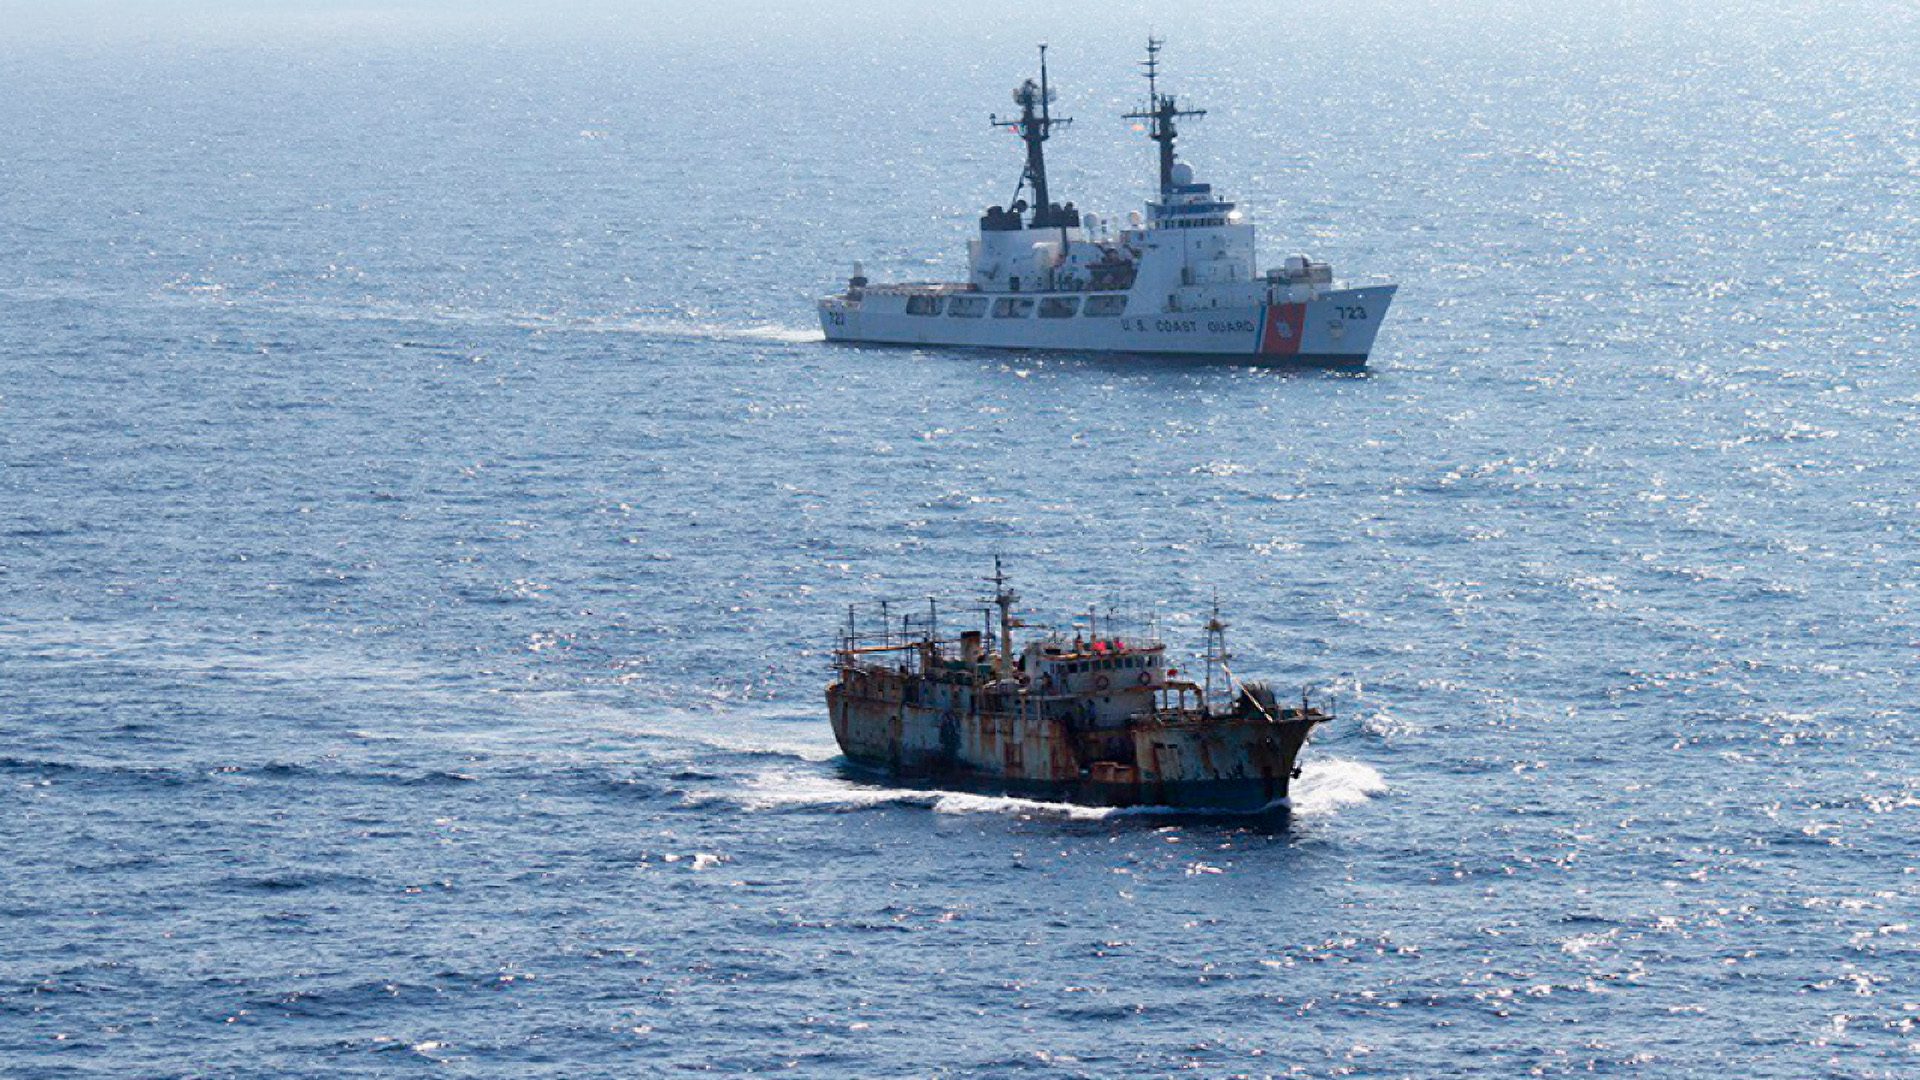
(432, 314)
(1386, 725)
(957, 802)
(1323, 787)
(781, 789)
(701, 331)
(1327, 784)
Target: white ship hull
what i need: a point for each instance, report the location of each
(1335, 328)
(1181, 279)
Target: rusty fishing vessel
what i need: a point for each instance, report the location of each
(1095, 716)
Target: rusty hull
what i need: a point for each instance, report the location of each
(1000, 738)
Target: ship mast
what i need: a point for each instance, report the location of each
(1216, 650)
(1035, 126)
(1160, 114)
(1003, 598)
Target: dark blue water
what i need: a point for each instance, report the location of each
(426, 503)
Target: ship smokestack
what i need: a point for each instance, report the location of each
(970, 647)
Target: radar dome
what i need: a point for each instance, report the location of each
(1182, 173)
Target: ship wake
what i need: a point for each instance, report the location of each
(684, 330)
(1324, 788)
(783, 789)
(665, 326)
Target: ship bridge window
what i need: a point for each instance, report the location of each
(923, 305)
(1059, 307)
(967, 307)
(1010, 307)
(1105, 305)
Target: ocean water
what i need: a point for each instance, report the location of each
(427, 504)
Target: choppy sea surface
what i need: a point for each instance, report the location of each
(427, 503)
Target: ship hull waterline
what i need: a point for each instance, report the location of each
(1327, 363)
(1336, 330)
(1233, 798)
(1237, 768)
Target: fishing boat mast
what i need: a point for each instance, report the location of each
(1217, 653)
(1003, 598)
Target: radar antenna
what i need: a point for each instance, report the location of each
(1160, 113)
(1035, 126)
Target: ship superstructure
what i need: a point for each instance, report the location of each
(1180, 279)
(1097, 716)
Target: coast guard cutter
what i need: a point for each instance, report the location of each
(1179, 280)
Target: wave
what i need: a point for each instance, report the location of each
(1330, 784)
(165, 775)
(287, 879)
(180, 774)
